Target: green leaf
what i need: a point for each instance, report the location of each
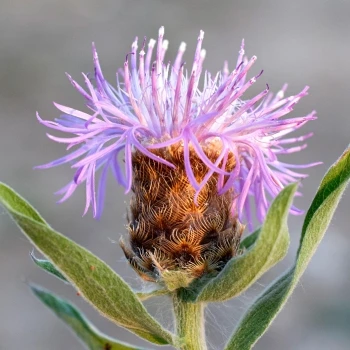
(72, 317)
(48, 266)
(270, 245)
(12, 199)
(266, 307)
(150, 293)
(250, 240)
(174, 280)
(94, 280)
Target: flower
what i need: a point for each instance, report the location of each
(180, 140)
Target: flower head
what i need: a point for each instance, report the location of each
(205, 140)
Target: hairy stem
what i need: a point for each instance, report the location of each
(189, 322)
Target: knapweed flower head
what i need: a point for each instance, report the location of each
(199, 158)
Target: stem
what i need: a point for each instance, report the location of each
(189, 322)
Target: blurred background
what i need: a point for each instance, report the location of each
(299, 42)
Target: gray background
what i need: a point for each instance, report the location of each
(300, 42)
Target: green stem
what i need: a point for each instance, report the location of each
(189, 322)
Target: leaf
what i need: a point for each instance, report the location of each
(10, 198)
(174, 280)
(72, 317)
(94, 280)
(150, 293)
(48, 266)
(266, 307)
(249, 240)
(270, 245)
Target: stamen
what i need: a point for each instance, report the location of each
(134, 105)
(177, 99)
(178, 59)
(160, 50)
(151, 44)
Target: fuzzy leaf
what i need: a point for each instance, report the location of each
(266, 307)
(174, 280)
(248, 241)
(72, 317)
(48, 266)
(150, 293)
(8, 197)
(270, 246)
(94, 280)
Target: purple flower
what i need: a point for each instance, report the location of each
(155, 105)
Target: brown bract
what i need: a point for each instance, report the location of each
(168, 229)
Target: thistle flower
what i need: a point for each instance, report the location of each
(193, 156)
